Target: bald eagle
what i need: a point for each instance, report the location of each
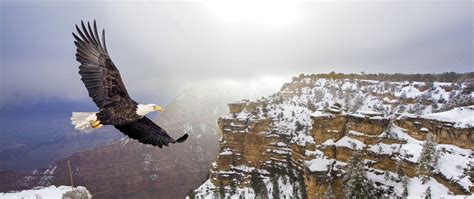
(105, 87)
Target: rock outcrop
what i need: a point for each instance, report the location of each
(298, 142)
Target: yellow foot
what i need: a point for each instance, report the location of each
(96, 124)
(158, 108)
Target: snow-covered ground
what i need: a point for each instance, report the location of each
(51, 192)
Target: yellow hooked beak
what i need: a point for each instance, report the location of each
(158, 108)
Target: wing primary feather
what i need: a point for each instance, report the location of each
(96, 34)
(85, 31)
(103, 40)
(160, 143)
(91, 33)
(147, 139)
(77, 38)
(80, 33)
(182, 138)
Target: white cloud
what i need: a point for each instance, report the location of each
(160, 47)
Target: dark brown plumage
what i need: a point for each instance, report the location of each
(105, 86)
(141, 131)
(102, 79)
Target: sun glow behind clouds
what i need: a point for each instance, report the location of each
(266, 13)
(253, 88)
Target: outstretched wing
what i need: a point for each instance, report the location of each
(147, 132)
(99, 74)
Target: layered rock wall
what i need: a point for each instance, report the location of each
(248, 145)
(445, 131)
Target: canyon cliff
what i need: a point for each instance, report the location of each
(298, 142)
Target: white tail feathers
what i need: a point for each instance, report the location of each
(81, 121)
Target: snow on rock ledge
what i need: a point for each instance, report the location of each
(51, 192)
(462, 117)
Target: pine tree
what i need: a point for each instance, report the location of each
(402, 177)
(221, 189)
(318, 95)
(428, 193)
(385, 196)
(276, 189)
(358, 102)
(357, 185)
(329, 193)
(403, 96)
(400, 168)
(257, 184)
(347, 100)
(386, 176)
(405, 187)
(428, 158)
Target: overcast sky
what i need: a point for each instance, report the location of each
(163, 47)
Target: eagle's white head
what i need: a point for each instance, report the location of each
(144, 109)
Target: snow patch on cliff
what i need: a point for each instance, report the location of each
(51, 192)
(462, 117)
